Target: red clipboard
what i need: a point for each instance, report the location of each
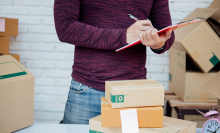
(173, 27)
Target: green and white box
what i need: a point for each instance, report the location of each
(170, 125)
(134, 93)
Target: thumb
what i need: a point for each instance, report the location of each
(146, 22)
(168, 33)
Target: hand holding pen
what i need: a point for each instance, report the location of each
(137, 29)
(147, 34)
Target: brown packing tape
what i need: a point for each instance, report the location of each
(195, 55)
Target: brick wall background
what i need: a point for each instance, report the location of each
(51, 61)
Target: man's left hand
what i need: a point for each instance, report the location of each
(151, 38)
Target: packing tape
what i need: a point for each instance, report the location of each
(195, 55)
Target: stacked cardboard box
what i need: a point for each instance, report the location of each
(147, 97)
(213, 87)
(8, 27)
(195, 56)
(16, 95)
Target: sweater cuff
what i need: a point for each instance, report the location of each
(160, 50)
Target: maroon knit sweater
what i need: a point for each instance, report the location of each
(98, 27)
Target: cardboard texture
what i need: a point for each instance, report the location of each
(215, 4)
(11, 27)
(213, 87)
(170, 125)
(134, 93)
(16, 56)
(147, 116)
(16, 95)
(4, 45)
(185, 82)
(195, 37)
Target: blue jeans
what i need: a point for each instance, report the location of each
(83, 103)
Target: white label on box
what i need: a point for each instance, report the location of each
(2, 25)
(129, 121)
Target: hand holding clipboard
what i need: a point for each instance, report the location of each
(173, 27)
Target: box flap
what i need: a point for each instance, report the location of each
(215, 4)
(213, 86)
(179, 46)
(12, 70)
(202, 13)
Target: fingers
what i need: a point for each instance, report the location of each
(150, 38)
(144, 28)
(146, 38)
(168, 34)
(145, 22)
(155, 36)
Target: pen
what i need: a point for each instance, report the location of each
(133, 17)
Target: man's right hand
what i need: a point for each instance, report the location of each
(136, 29)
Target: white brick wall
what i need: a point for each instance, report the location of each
(51, 61)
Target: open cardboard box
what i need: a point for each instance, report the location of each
(200, 40)
(16, 95)
(185, 79)
(170, 125)
(213, 87)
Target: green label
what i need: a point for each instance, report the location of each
(214, 60)
(117, 98)
(170, 77)
(180, 65)
(179, 54)
(93, 131)
(13, 74)
(200, 18)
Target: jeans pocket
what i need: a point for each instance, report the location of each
(77, 87)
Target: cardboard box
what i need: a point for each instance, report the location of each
(199, 39)
(170, 125)
(185, 80)
(16, 56)
(213, 87)
(198, 119)
(11, 27)
(215, 4)
(16, 95)
(134, 93)
(147, 116)
(4, 45)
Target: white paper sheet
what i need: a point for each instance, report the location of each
(129, 121)
(2, 25)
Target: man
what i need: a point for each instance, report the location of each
(97, 28)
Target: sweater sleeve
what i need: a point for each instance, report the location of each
(160, 18)
(70, 30)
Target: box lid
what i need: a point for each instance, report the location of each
(202, 13)
(213, 86)
(12, 70)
